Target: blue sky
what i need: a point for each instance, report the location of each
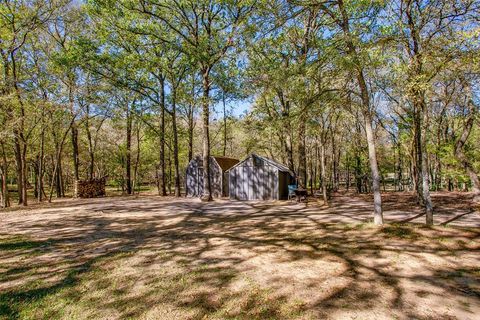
(236, 108)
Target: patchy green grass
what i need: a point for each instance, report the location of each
(144, 258)
(20, 243)
(400, 231)
(144, 284)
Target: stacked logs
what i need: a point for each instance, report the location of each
(90, 188)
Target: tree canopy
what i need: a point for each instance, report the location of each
(362, 95)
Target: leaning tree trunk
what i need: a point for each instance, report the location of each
(352, 51)
(372, 156)
(207, 190)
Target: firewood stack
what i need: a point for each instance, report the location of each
(90, 188)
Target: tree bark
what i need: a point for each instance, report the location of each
(128, 162)
(323, 173)
(225, 136)
(74, 136)
(19, 166)
(91, 151)
(4, 196)
(175, 142)
(207, 190)
(161, 179)
(137, 161)
(372, 156)
(41, 162)
(302, 158)
(352, 51)
(191, 122)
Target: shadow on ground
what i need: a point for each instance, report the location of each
(183, 259)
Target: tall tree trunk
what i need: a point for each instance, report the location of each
(41, 163)
(417, 162)
(137, 161)
(372, 155)
(347, 179)
(169, 161)
(58, 178)
(323, 172)
(175, 142)
(190, 119)
(161, 179)
(20, 141)
(4, 197)
(74, 136)
(426, 181)
(91, 151)
(19, 166)
(420, 112)
(335, 163)
(128, 162)
(225, 134)
(302, 158)
(207, 189)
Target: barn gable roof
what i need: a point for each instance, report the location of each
(279, 166)
(225, 163)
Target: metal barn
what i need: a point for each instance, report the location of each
(259, 178)
(218, 177)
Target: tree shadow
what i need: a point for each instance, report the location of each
(228, 259)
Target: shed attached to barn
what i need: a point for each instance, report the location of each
(259, 178)
(218, 176)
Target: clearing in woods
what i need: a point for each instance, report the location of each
(155, 258)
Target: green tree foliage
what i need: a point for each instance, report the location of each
(357, 95)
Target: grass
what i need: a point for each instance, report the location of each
(131, 285)
(160, 259)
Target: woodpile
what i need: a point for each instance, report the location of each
(90, 188)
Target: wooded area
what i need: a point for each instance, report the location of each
(364, 95)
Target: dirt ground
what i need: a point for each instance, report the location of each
(154, 258)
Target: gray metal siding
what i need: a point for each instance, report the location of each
(255, 180)
(194, 178)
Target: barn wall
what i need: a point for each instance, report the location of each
(254, 180)
(216, 179)
(194, 178)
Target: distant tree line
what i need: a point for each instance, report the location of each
(348, 94)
